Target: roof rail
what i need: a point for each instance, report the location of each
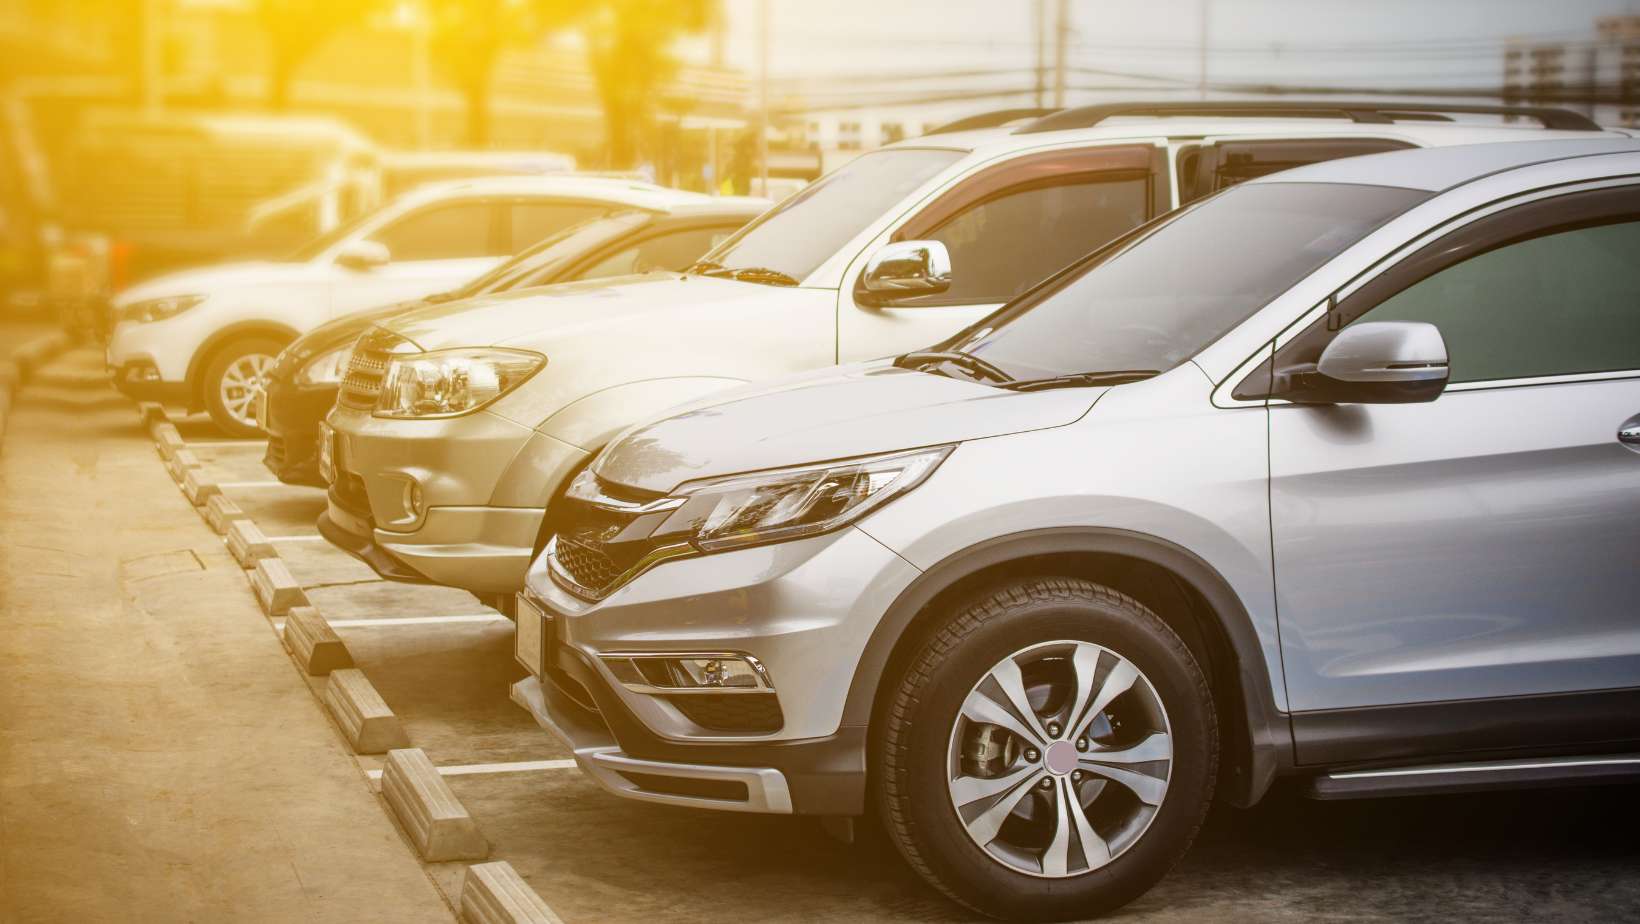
(989, 120)
(1375, 112)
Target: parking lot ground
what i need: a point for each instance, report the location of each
(160, 760)
(443, 664)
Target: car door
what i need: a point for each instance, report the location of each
(1451, 574)
(1007, 227)
(431, 249)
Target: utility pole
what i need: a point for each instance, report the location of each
(1041, 50)
(1061, 38)
(149, 68)
(1201, 87)
(763, 95)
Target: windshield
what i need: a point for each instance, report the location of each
(540, 262)
(1161, 298)
(795, 237)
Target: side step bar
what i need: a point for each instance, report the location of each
(1473, 777)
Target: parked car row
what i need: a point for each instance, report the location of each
(1029, 484)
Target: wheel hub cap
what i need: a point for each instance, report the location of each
(1059, 758)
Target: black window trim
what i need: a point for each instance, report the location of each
(1248, 392)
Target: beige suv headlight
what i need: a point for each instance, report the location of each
(448, 383)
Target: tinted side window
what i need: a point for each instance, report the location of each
(1206, 169)
(1559, 304)
(533, 222)
(1009, 242)
(674, 251)
(442, 232)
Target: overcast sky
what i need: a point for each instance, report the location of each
(845, 48)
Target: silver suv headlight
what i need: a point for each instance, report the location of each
(447, 383)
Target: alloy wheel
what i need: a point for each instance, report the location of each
(241, 383)
(1059, 758)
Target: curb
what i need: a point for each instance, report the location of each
(366, 721)
(247, 543)
(222, 513)
(198, 486)
(276, 588)
(313, 643)
(166, 439)
(494, 893)
(428, 810)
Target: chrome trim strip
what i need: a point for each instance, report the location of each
(1491, 767)
(765, 685)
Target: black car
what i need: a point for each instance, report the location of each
(301, 387)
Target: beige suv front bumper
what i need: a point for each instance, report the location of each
(457, 501)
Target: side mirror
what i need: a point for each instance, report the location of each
(362, 256)
(1375, 362)
(905, 269)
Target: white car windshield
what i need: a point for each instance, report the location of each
(1154, 300)
(791, 241)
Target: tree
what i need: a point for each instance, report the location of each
(469, 37)
(629, 45)
(296, 29)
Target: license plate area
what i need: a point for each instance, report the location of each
(327, 453)
(531, 634)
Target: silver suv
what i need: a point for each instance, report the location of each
(1335, 474)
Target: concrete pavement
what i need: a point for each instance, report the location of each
(160, 759)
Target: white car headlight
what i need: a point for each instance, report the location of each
(325, 369)
(447, 383)
(158, 309)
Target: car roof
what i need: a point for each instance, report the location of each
(1438, 169)
(1423, 125)
(632, 193)
(724, 206)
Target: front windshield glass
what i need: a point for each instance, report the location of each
(540, 262)
(797, 235)
(1161, 298)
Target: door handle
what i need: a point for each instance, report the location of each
(1628, 433)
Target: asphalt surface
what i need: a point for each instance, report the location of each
(443, 663)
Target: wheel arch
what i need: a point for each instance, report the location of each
(1185, 591)
(214, 344)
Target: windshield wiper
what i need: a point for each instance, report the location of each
(921, 359)
(1083, 379)
(761, 274)
(705, 268)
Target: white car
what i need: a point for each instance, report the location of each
(202, 338)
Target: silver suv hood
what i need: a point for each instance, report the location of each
(829, 414)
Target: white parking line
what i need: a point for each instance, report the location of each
(227, 444)
(517, 766)
(416, 620)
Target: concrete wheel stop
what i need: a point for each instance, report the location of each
(494, 893)
(313, 643)
(222, 513)
(370, 727)
(247, 544)
(198, 486)
(428, 810)
(275, 587)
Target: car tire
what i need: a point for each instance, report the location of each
(931, 753)
(226, 379)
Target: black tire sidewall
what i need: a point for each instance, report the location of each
(973, 875)
(211, 387)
